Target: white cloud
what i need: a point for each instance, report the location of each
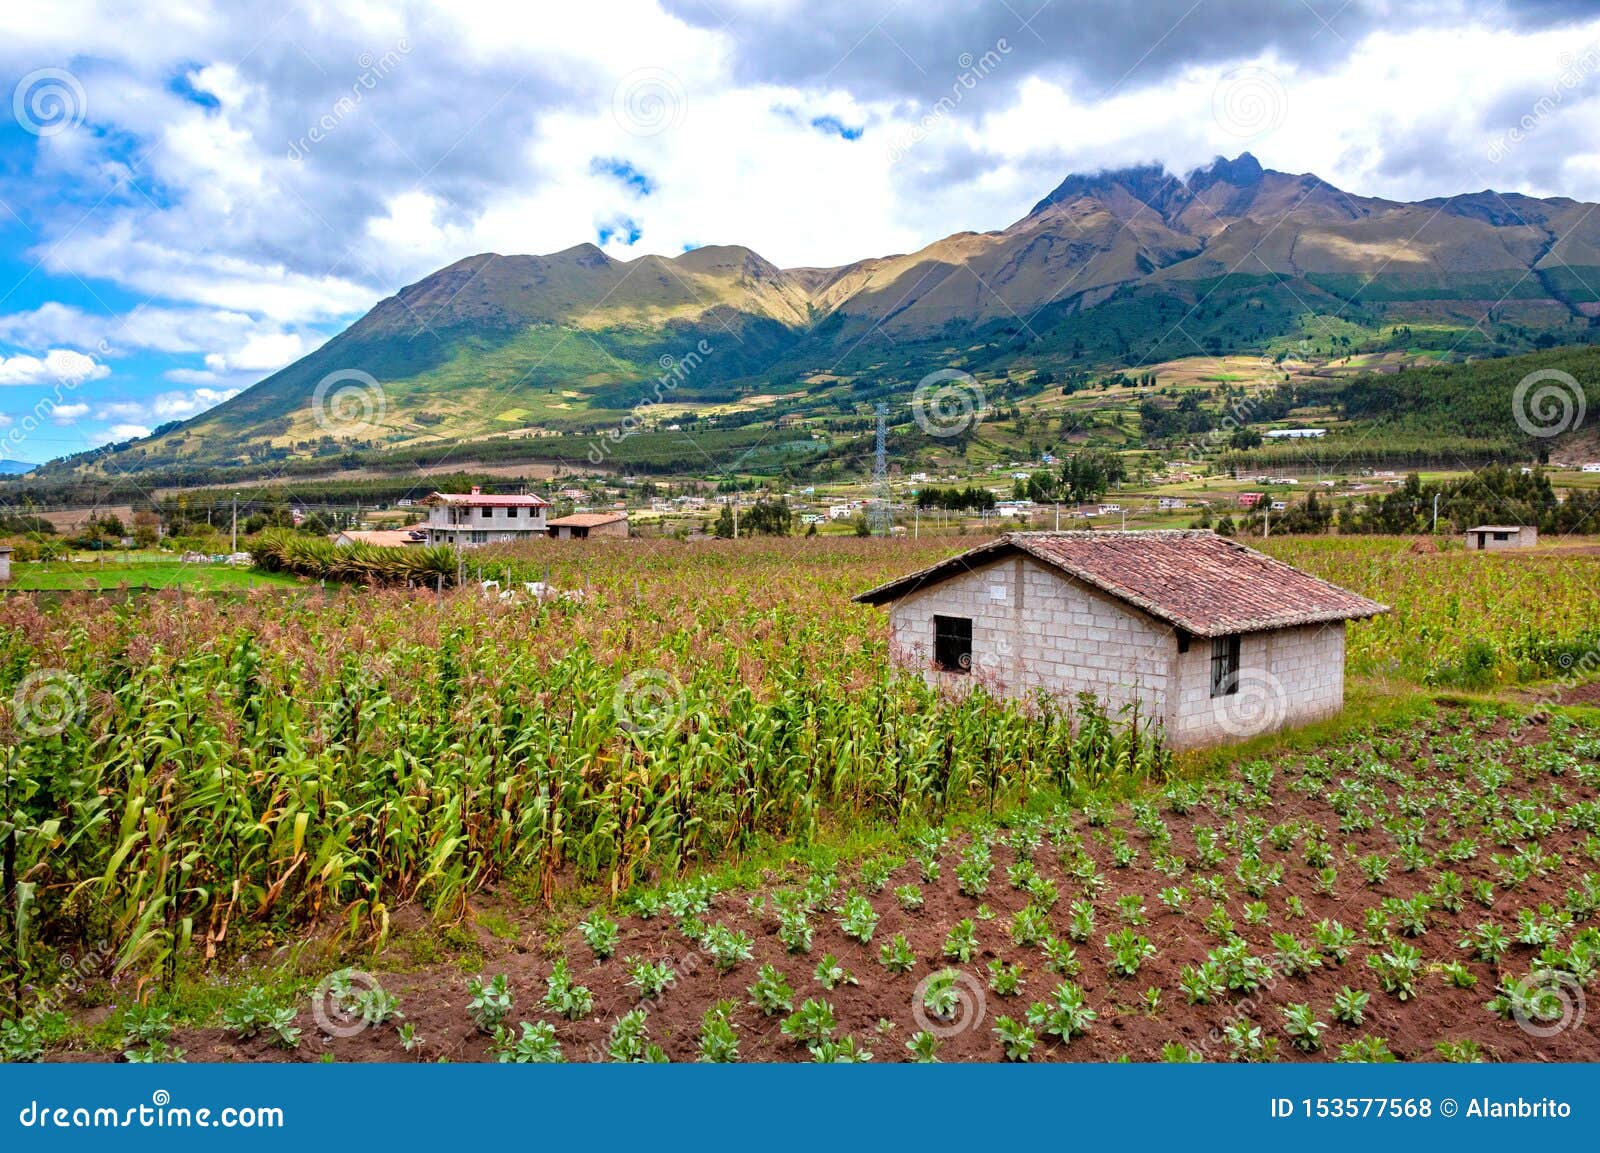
(261, 353)
(68, 413)
(173, 405)
(127, 431)
(58, 366)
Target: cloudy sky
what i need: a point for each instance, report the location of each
(192, 198)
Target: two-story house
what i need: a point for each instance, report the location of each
(456, 518)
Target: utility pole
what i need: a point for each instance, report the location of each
(235, 547)
(1435, 512)
(1266, 519)
(1058, 516)
(880, 517)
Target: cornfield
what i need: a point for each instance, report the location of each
(177, 768)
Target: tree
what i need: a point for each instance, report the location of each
(768, 518)
(724, 526)
(1086, 475)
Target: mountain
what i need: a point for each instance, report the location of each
(15, 467)
(1126, 267)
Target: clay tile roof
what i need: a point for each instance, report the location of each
(586, 519)
(1198, 581)
(485, 500)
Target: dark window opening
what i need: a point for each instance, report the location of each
(1502, 536)
(1224, 666)
(952, 644)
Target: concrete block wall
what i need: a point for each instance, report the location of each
(1035, 629)
(1287, 677)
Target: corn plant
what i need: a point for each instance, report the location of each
(771, 992)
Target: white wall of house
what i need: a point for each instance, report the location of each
(1036, 629)
(472, 524)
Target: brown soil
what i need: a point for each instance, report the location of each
(879, 1011)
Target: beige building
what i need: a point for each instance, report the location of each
(1495, 537)
(1211, 640)
(473, 518)
(587, 525)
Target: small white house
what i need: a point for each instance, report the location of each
(474, 518)
(1592, 466)
(1497, 537)
(5, 563)
(1211, 640)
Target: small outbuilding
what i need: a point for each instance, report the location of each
(1211, 640)
(1495, 537)
(5, 563)
(587, 525)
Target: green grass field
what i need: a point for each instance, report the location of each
(136, 570)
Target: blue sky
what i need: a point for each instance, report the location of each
(190, 200)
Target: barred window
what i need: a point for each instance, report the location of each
(952, 644)
(1224, 666)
